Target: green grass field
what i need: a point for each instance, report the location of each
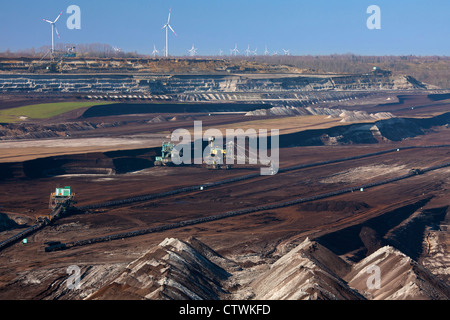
(43, 111)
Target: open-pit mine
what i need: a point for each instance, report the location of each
(357, 210)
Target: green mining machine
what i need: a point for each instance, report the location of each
(166, 154)
(62, 196)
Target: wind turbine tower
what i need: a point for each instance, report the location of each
(167, 26)
(154, 52)
(192, 51)
(53, 29)
(234, 51)
(248, 51)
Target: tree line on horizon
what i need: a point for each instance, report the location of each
(87, 50)
(433, 70)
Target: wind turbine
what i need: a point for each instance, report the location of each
(287, 52)
(220, 52)
(154, 52)
(235, 50)
(53, 28)
(192, 51)
(167, 26)
(248, 51)
(266, 52)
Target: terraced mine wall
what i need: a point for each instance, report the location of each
(395, 129)
(177, 84)
(403, 228)
(408, 237)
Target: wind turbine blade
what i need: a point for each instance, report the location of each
(164, 26)
(168, 18)
(172, 30)
(47, 20)
(58, 17)
(57, 33)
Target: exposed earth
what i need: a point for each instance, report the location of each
(322, 249)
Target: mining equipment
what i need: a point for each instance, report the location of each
(54, 246)
(231, 151)
(62, 196)
(379, 71)
(71, 52)
(166, 154)
(60, 201)
(416, 171)
(215, 153)
(55, 63)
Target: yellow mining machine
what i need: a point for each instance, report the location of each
(216, 152)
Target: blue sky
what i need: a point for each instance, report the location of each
(418, 27)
